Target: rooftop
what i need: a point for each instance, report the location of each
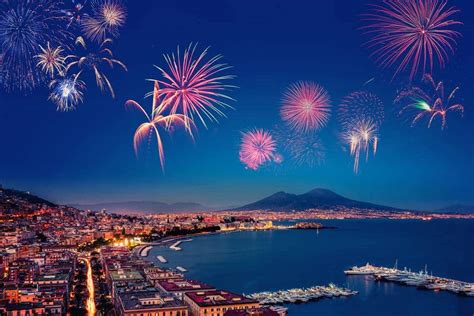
(150, 299)
(179, 285)
(251, 312)
(52, 277)
(218, 298)
(125, 275)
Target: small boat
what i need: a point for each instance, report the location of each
(181, 269)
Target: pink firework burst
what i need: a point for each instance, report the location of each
(412, 33)
(195, 86)
(306, 106)
(155, 121)
(257, 148)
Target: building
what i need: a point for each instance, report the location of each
(263, 311)
(180, 286)
(216, 303)
(155, 275)
(151, 302)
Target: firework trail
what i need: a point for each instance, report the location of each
(155, 120)
(412, 33)
(429, 103)
(194, 86)
(361, 115)
(25, 25)
(306, 106)
(67, 92)
(363, 138)
(361, 106)
(95, 59)
(257, 148)
(304, 149)
(108, 17)
(51, 60)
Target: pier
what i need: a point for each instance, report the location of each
(144, 251)
(176, 244)
(302, 295)
(420, 279)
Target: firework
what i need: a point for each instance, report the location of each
(157, 118)
(95, 59)
(304, 149)
(412, 33)
(361, 106)
(361, 115)
(429, 103)
(194, 86)
(67, 92)
(257, 148)
(24, 26)
(361, 137)
(109, 16)
(76, 13)
(51, 60)
(306, 106)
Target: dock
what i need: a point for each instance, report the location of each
(419, 279)
(302, 295)
(176, 244)
(161, 259)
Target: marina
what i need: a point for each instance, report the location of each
(302, 295)
(421, 279)
(176, 244)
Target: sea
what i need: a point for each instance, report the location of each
(255, 261)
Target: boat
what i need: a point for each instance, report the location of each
(181, 269)
(161, 259)
(364, 270)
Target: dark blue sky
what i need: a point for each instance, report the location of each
(87, 155)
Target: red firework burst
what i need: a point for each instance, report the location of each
(193, 86)
(412, 33)
(306, 106)
(257, 148)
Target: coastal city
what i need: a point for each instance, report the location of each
(58, 260)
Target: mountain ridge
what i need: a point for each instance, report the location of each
(318, 198)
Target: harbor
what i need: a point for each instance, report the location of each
(421, 279)
(302, 295)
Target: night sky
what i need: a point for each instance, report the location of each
(86, 156)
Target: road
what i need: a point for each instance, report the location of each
(91, 310)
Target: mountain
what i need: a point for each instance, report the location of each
(457, 208)
(317, 198)
(142, 207)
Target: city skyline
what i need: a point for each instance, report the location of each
(86, 156)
